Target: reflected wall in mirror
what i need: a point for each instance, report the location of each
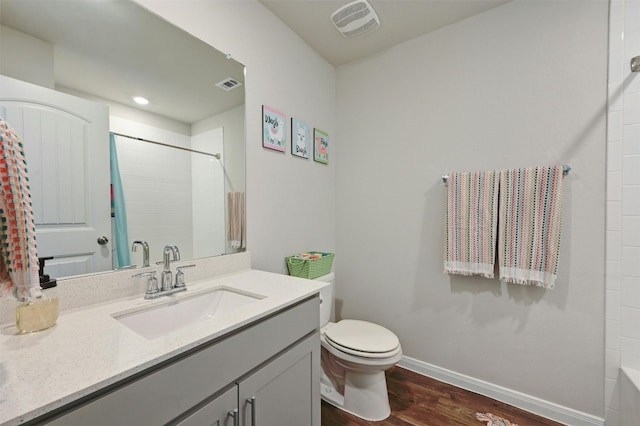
(105, 53)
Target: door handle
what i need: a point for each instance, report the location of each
(103, 240)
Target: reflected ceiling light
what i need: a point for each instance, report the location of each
(140, 100)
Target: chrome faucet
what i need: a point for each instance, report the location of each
(166, 286)
(145, 251)
(169, 250)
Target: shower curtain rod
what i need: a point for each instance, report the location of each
(565, 171)
(217, 155)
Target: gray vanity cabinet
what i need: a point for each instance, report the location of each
(275, 360)
(218, 412)
(278, 393)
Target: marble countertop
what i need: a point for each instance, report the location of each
(88, 349)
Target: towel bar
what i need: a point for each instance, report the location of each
(565, 171)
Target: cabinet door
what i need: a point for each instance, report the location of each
(286, 391)
(218, 412)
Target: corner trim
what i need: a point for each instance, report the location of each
(529, 403)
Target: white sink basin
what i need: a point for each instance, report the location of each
(162, 319)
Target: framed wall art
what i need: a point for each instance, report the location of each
(274, 129)
(320, 146)
(300, 138)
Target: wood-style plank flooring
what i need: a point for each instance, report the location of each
(419, 400)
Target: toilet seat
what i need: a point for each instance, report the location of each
(362, 338)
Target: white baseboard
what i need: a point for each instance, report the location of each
(525, 402)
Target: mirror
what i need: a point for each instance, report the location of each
(109, 51)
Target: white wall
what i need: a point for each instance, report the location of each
(290, 202)
(207, 188)
(520, 85)
(232, 121)
(233, 156)
(26, 58)
(623, 204)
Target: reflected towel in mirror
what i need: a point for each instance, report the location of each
(236, 220)
(17, 231)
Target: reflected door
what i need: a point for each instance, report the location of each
(67, 149)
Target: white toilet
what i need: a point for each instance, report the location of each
(355, 355)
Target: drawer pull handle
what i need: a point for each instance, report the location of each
(252, 402)
(234, 415)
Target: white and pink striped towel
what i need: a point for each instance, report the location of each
(472, 202)
(530, 223)
(524, 204)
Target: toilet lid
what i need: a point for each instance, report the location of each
(362, 336)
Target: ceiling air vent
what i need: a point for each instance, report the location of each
(355, 18)
(228, 84)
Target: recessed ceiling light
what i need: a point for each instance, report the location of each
(140, 100)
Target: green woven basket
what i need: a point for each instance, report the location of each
(310, 268)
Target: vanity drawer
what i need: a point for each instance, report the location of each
(159, 396)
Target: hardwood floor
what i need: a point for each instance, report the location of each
(419, 400)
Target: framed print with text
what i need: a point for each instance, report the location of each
(274, 129)
(300, 138)
(320, 146)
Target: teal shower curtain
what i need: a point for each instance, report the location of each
(118, 211)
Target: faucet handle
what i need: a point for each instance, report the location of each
(180, 268)
(180, 275)
(145, 274)
(152, 283)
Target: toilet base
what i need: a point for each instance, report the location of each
(365, 395)
(331, 395)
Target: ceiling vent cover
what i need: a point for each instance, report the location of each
(355, 18)
(228, 84)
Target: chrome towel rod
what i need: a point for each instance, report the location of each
(565, 171)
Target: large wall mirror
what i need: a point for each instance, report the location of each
(69, 70)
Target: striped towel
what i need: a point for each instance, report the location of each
(19, 272)
(530, 221)
(236, 220)
(493, 420)
(472, 203)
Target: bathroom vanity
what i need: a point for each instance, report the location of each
(258, 363)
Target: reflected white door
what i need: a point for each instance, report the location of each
(66, 142)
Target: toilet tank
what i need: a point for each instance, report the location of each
(326, 297)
